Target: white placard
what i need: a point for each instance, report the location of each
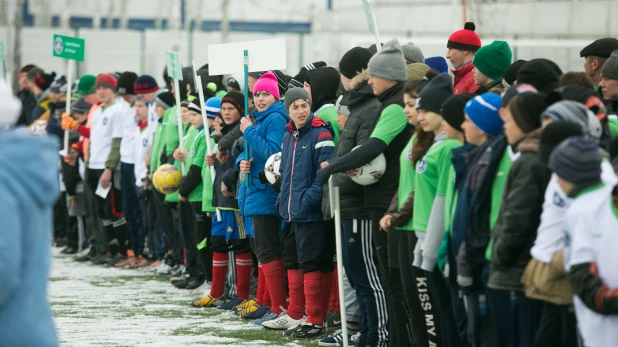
(264, 55)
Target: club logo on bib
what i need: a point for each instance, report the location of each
(145, 143)
(192, 152)
(410, 154)
(558, 200)
(176, 121)
(422, 165)
(104, 121)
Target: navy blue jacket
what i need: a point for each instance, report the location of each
(303, 150)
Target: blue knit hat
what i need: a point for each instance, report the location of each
(213, 105)
(482, 111)
(437, 63)
(145, 84)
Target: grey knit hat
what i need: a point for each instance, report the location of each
(342, 108)
(294, 94)
(576, 160)
(81, 105)
(413, 53)
(389, 62)
(575, 112)
(610, 68)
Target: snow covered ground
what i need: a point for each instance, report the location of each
(97, 306)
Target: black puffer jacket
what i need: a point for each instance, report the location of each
(225, 171)
(520, 216)
(364, 114)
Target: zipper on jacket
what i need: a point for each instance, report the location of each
(291, 174)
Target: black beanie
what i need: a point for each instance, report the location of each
(354, 61)
(526, 110)
(40, 78)
(237, 99)
(125, 82)
(453, 109)
(543, 74)
(165, 100)
(553, 134)
(298, 81)
(435, 93)
(510, 75)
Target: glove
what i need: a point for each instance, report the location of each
(68, 123)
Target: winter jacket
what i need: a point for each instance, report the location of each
(464, 79)
(520, 216)
(302, 152)
(379, 195)
(29, 190)
(227, 141)
(264, 139)
(478, 232)
(489, 88)
(42, 105)
(28, 103)
(224, 170)
(364, 114)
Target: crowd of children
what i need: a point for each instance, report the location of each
(492, 224)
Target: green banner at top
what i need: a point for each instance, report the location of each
(68, 47)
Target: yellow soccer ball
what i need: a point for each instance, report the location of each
(167, 179)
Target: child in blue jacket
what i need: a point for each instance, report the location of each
(307, 143)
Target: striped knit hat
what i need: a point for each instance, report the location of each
(575, 112)
(165, 100)
(213, 105)
(576, 160)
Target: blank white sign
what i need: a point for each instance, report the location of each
(264, 55)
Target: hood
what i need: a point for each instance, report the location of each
(34, 179)
(312, 122)
(531, 142)
(324, 83)
(277, 107)
(462, 71)
(360, 90)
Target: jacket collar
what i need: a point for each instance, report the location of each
(393, 95)
(312, 122)
(277, 107)
(583, 186)
(467, 67)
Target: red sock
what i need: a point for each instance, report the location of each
(334, 293)
(266, 301)
(244, 265)
(259, 296)
(313, 297)
(274, 271)
(327, 284)
(219, 272)
(296, 308)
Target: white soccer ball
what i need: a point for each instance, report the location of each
(369, 173)
(39, 128)
(271, 168)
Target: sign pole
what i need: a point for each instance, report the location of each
(67, 108)
(179, 117)
(334, 203)
(200, 91)
(246, 77)
(174, 70)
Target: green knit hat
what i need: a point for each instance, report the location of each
(86, 85)
(493, 60)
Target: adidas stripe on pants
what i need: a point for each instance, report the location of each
(361, 264)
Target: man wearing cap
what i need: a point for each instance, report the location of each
(105, 139)
(462, 45)
(596, 54)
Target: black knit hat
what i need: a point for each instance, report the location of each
(526, 110)
(453, 109)
(299, 80)
(165, 100)
(236, 99)
(543, 74)
(553, 134)
(510, 75)
(577, 160)
(125, 82)
(354, 61)
(435, 93)
(515, 90)
(40, 78)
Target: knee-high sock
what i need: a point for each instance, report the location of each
(327, 284)
(334, 293)
(244, 265)
(219, 272)
(313, 297)
(259, 296)
(296, 308)
(274, 271)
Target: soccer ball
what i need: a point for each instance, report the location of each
(271, 168)
(369, 173)
(39, 128)
(167, 179)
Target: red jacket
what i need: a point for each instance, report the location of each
(464, 79)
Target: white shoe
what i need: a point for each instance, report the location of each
(283, 322)
(83, 252)
(202, 290)
(163, 269)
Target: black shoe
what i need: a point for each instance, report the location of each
(86, 257)
(100, 259)
(69, 250)
(195, 283)
(308, 331)
(333, 320)
(182, 284)
(111, 261)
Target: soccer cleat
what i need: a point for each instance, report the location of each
(267, 317)
(260, 312)
(335, 339)
(282, 322)
(292, 330)
(140, 263)
(178, 279)
(333, 320)
(207, 301)
(247, 310)
(231, 304)
(244, 305)
(308, 331)
(194, 283)
(127, 262)
(203, 289)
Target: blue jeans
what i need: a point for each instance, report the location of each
(131, 207)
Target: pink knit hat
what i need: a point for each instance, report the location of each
(268, 83)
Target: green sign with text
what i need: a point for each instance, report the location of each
(174, 67)
(68, 47)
